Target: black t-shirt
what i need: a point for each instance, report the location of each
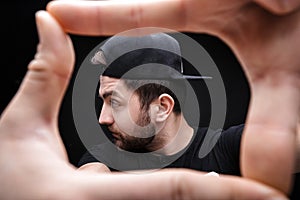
(209, 150)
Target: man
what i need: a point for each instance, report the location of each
(144, 93)
(33, 160)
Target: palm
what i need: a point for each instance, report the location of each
(32, 156)
(233, 20)
(277, 36)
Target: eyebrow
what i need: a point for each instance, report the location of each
(109, 93)
(106, 94)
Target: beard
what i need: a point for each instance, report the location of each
(134, 144)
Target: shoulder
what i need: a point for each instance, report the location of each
(232, 134)
(236, 129)
(94, 154)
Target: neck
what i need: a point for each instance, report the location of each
(174, 137)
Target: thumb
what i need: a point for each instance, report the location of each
(40, 94)
(280, 7)
(94, 167)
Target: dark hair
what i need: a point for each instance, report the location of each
(149, 90)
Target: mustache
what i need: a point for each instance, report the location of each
(113, 129)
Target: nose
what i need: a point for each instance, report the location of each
(106, 117)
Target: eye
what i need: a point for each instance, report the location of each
(114, 103)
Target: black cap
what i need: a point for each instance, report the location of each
(152, 56)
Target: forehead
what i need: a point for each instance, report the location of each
(110, 85)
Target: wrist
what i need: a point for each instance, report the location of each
(271, 128)
(275, 99)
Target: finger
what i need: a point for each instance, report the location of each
(108, 17)
(280, 6)
(268, 147)
(38, 99)
(173, 184)
(94, 167)
(297, 167)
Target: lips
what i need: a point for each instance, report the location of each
(116, 136)
(115, 133)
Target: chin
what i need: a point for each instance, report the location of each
(119, 144)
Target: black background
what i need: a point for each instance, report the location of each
(21, 31)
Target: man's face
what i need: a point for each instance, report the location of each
(130, 127)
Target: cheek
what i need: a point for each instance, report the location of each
(125, 120)
(127, 117)
(133, 109)
(134, 112)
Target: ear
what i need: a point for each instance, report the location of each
(162, 108)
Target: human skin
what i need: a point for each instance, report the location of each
(258, 34)
(33, 160)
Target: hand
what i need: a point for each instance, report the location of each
(248, 27)
(94, 167)
(33, 161)
(265, 43)
(280, 6)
